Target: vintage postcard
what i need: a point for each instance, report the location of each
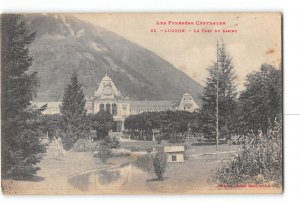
(141, 103)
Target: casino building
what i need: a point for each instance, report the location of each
(108, 98)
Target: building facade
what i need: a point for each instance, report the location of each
(108, 98)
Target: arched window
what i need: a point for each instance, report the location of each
(101, 107)
(108, 109)
(114, 109)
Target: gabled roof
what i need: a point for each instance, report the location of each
(106, 80)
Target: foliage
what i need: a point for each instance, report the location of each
(52, 124)
(101, 122)
(104, 152)
(261, 102)
(73, 110)
(177, 138)
(146, 163)
(21, 146)
(112, 142)
(221, 75)
(83, 145)
(67, 140)
(105, 146)
(169, 123)
(258, 161)
(160, 164)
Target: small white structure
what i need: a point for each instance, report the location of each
(174, 153)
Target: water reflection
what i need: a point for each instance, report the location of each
(80, 182)
(145, 163)
(133, 174)
(107, 177)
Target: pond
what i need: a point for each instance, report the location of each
(133, 175)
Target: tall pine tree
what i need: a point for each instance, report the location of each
(20, 146)
(221, 75)
(73, 112)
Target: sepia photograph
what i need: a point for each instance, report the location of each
(141, 103)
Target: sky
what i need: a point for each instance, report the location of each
(257, 38)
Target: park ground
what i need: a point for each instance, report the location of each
(79, 167)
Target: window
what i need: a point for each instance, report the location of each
(174, 158)
(108, 108)
(114, 109)
(102, 107)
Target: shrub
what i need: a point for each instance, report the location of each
(258, 161)
(160, 164)
(104, 153)
(67, 140)
(83, 145)
(112, 142)
(146, 163)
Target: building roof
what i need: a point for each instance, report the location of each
(174, 149)
(106, 78)
(151, 103)
(107, 82)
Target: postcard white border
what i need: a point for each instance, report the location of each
(291, 50)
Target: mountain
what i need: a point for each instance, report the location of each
(65, 44)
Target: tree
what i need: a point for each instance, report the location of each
(171, 123)
(261, 102)
(20, 146)
(52, 124)
(73, 112)
(222, 80)
(101, 122)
